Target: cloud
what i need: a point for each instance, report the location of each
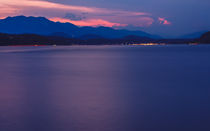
(78, 15)
(164, 21)
(16, 4)
(44, 4)
(74, 17)
(88, 22)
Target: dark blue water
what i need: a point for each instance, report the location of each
(105, 88)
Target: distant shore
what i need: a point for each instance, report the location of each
(39, 40)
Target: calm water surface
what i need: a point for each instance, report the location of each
(105, 88)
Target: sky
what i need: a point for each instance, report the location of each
(167, 18)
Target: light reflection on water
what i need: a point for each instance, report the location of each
(105, 88)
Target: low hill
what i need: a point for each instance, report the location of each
(33, 39)
(205, 38)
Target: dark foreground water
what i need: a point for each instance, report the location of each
(105, 88)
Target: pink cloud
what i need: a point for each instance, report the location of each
(20, 5)
(164, 21)
(95, 16)
(88, 22)
(17, 5)
(144, 22)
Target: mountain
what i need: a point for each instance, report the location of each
(34, 25)
(205, 38)
(90, 36)
(60, 34)
(193, 35)
(43, 26)
(107, 32)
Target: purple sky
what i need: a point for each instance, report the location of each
(169, 18)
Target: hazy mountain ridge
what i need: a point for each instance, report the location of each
(205, 38)
(43, 26)
(194, 35)
(21, 30)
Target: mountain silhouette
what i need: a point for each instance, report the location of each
(205, 38)
(193, 35)
(43, 26)
(34, 25)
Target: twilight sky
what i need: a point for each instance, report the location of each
(169, 18)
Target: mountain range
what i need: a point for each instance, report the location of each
(43, 26)
(205, 38)
(22, 30)
(194, 35)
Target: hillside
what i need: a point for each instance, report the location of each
(205, 38)
(33, 39)
(43, 26)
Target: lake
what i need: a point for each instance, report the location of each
(105, 88)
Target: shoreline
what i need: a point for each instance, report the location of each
(141, 44)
